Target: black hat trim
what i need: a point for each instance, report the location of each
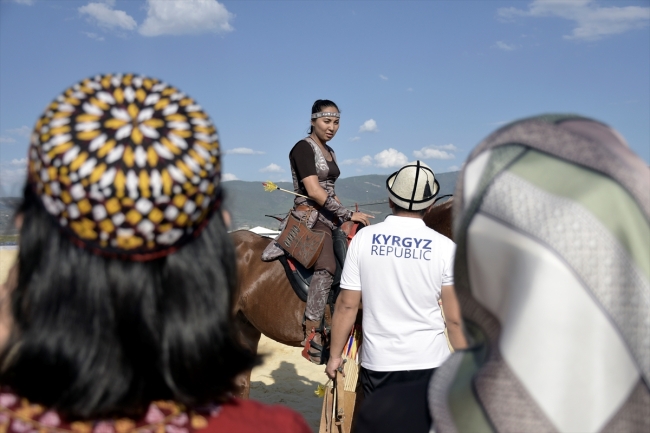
(412, 201)
(415, 184)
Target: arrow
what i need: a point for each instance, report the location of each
(270, 186)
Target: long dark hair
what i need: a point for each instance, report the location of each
(95, 337)
(318, 106)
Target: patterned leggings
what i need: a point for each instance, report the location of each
(321, 281)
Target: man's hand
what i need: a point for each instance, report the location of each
(332, 365)
(345, 313)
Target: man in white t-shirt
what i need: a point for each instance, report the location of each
(402, 269)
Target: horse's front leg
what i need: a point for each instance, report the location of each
(249, 337)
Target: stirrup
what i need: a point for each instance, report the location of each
(314, 352)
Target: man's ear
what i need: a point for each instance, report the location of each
(428, 209)
(391, 204)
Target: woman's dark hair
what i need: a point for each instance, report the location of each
(318, 107)
(95, 337)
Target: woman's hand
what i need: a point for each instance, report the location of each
(361, 217)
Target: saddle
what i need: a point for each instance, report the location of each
(300, 277)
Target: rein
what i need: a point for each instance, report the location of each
(386, 201)
(280, 217)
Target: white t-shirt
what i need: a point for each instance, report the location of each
(400, 266)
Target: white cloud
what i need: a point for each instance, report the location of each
(503, 46)
(23, 131)
(12, 177)
(435, 152)
(355, 138)
(592, 22)
(384, 159)
(243, 151)
(6, 140)
(24, 2)
(432, 154)
(365, 160)
(453, 168)
(94, 36)
(165, 17)
(107, 17)
(272, 168)
(410, 89)
(225, 177)
(390, 158)
(368, 126)
(383, 77)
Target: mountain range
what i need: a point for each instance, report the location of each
(248, 202)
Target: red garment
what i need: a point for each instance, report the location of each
(251, 416)
(17, 415)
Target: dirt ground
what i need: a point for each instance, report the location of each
(7, 258)
(283, 378)
(289, 379)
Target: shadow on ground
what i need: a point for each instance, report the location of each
(285, 386)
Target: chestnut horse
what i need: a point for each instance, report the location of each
(265, 303)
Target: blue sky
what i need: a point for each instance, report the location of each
(422, 79)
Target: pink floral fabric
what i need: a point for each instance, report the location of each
(18, 415)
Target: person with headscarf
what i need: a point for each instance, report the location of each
(117, 316)
(552, 223)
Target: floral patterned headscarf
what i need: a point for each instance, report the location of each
(127, 165)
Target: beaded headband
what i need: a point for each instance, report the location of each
(127, 165)
(325, 114)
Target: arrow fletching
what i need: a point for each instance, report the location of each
(269, 186)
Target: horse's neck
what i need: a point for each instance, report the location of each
(439, 218)
(350, 229)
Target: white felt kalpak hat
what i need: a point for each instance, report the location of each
(413, 187)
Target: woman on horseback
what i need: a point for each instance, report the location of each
(314, 171)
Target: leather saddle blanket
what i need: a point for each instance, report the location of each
(300, 277)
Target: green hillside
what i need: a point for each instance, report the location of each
(248, 202)
(8, 206)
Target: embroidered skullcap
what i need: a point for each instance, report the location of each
(127, 165)
(413, 187)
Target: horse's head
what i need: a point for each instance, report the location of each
(439, 218)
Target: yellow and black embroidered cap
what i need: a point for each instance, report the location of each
(129, 166)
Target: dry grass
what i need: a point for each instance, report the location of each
(6, 239)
